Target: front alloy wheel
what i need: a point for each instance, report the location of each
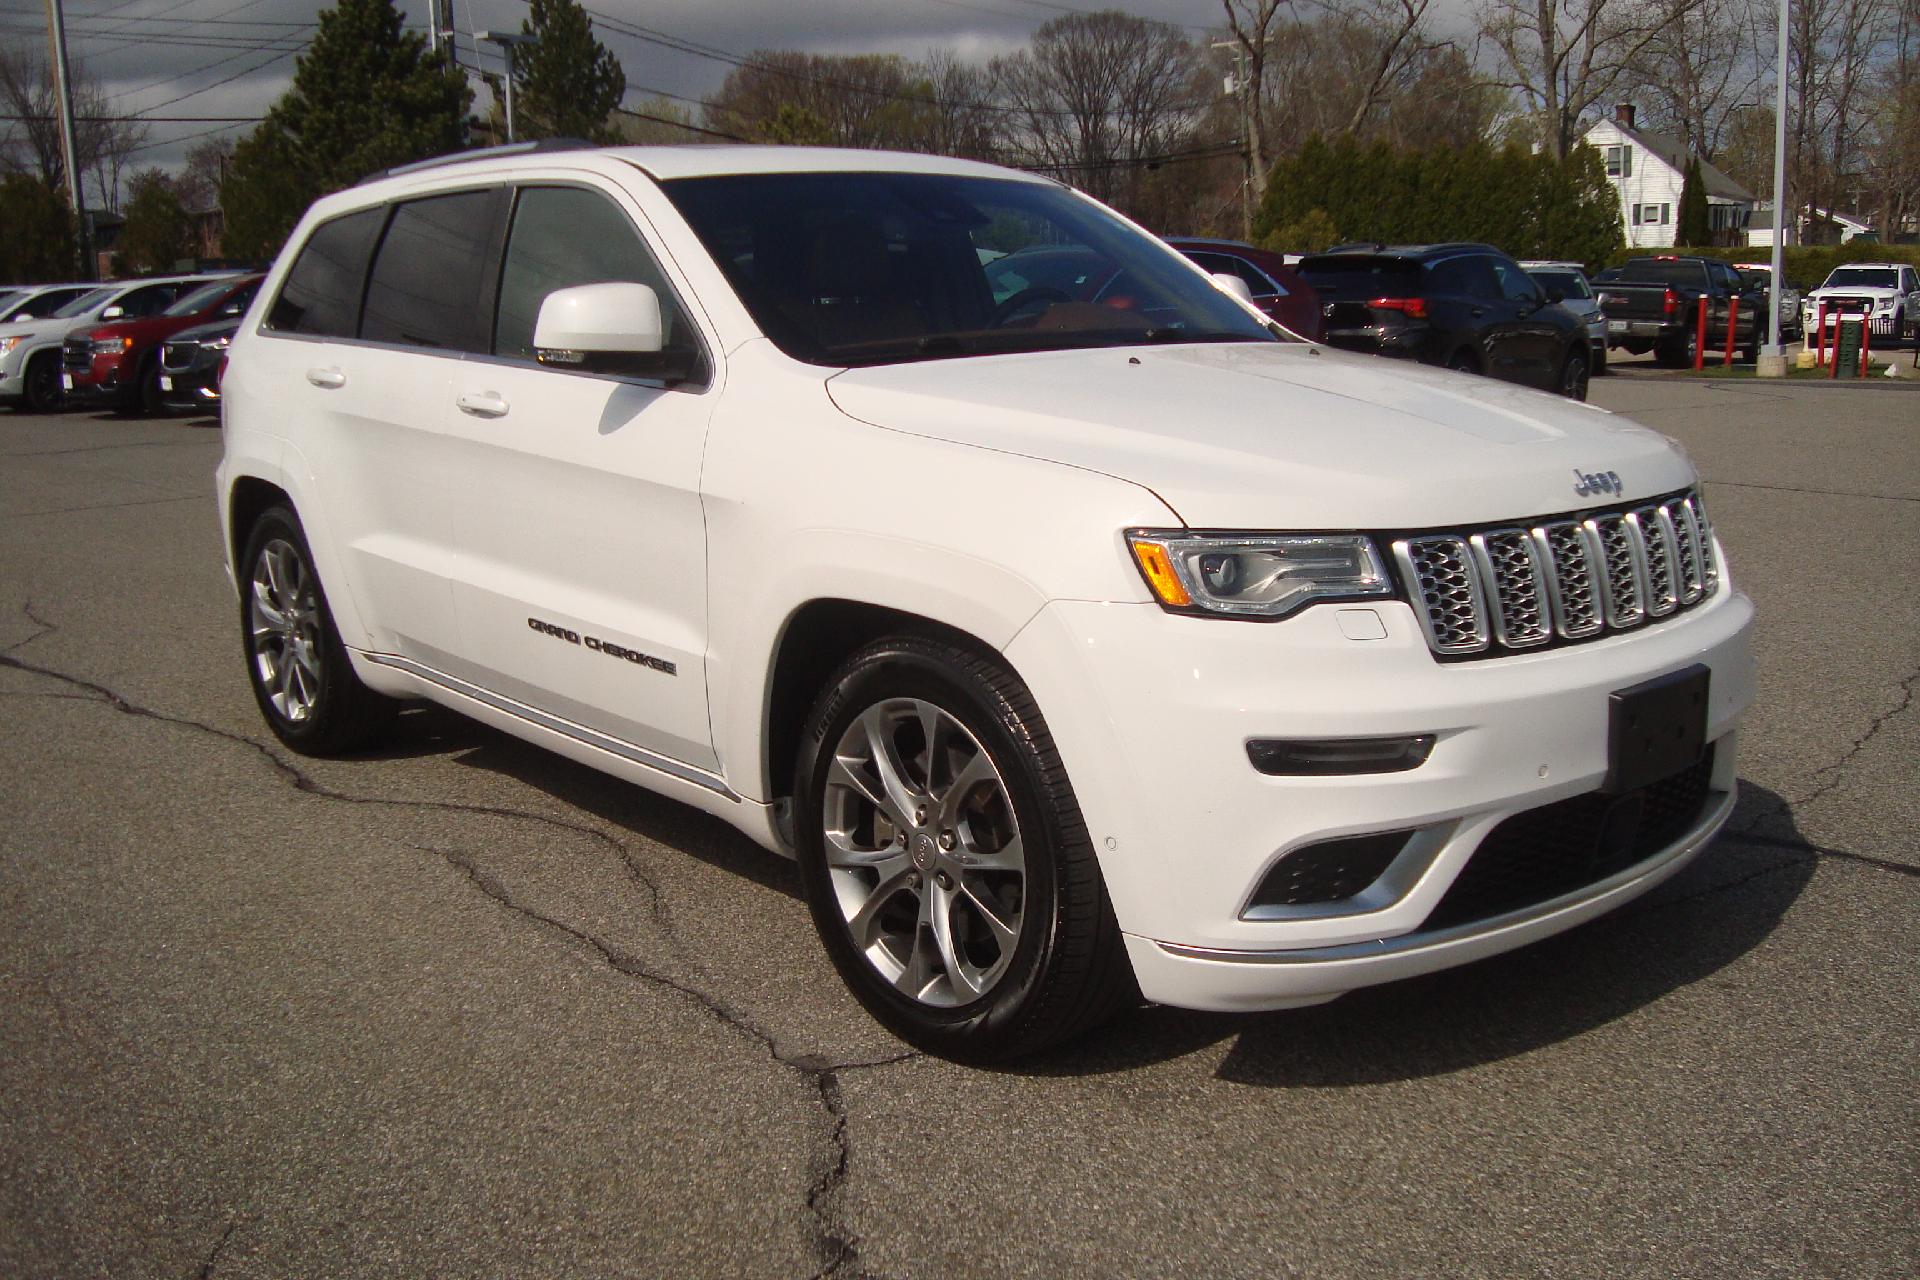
(924, 852)
(945, 859)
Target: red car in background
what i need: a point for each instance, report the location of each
(117, 365)
(1277, 289)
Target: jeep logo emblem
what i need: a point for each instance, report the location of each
(1586, 482)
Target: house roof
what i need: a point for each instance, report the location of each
(1673, 153)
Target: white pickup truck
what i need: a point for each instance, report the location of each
(1888, 293)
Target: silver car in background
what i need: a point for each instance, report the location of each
(1569, 280)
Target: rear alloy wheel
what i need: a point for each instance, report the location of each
(1676, 353)
(1573, 377)
(945, 861)
(301, 676)
(43, 383)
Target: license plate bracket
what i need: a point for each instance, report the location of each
(1657, 728)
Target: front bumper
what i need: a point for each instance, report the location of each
(1878, 322)
(1152, 713)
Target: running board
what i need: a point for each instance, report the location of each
(554, 724)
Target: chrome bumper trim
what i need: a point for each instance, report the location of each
(1412, 943)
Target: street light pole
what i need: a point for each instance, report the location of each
(69, 153)
(1773, 361)
(506, 40)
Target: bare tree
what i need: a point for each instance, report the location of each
(1706, 63)
(1097, 96)
(1564, 57)
(31, 143)
(1253, 25)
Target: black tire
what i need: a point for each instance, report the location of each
(339, 714)
(147, 401)
(1066, 968)
(1675, 353)
(1637, 347)
(42, 384)
(1464, 360)
(1573, 377)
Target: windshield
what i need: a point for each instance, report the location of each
(84, 303)
(1571, 284)
(877, 268)
(1862, 278)
(199, 300)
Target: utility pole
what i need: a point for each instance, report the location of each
(69, 153)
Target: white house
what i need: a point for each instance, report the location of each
(1813, 226)
(1648, 171)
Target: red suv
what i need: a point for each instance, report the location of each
(1277, 289)
(118, 365)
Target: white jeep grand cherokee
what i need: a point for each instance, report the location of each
(1084, 636)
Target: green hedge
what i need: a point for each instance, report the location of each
(1806, 265)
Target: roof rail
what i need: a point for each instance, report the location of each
(1362, 246)
(482, 153)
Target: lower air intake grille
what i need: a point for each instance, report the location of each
(1542, 853)
(1331, 871)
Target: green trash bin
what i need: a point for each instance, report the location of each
(1846, 347)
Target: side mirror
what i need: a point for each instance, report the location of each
(1227, 282)
(113, 313)
(621, 318)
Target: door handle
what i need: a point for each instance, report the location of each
(330, 379)
(484, 404)
(1477, 311)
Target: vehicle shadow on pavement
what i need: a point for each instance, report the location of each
(426, 730)
(1720, 907)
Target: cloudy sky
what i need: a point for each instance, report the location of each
(225, 58)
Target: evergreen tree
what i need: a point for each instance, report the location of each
(1692, 228)
(158, 232)
(39, 242)
(565, 84)
(366, 96)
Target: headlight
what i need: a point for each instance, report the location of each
(8, 344)
(1255, 575)
(216, 344)
(103, 346)
(1884, 304)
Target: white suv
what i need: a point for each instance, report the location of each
(1079, 650)
(1886, 293)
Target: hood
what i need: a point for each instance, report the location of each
(1278, 436)
(1853, 291)
(49, 326)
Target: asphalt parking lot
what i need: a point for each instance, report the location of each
(464, 1008)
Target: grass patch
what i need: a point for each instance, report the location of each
(1715, 369)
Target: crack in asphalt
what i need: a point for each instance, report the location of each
(101, 506)
(213, 1258)
(1823, 493)
(46, 628)
(1835, 773)
(835, 1246)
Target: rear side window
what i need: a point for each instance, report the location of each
(150, 301)
(1515, 285)
(322, 293)
(428, 274)
(1468, 276)
(566, 236)
(1359, 275)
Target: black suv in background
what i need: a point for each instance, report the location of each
(1463, 306)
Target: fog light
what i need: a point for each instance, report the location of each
(1322, 757)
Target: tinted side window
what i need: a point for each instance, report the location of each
(150, 301)
(321, 295)
(1467, 277)
(425, 290)
(1515, 284)
(565, 236)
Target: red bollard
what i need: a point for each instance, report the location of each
(1733, 322)
(1866, 342)
(1820, 338)
(1700, 339)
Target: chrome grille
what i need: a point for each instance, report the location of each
(1509, 588)
(77, 354)
(1452, 608)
